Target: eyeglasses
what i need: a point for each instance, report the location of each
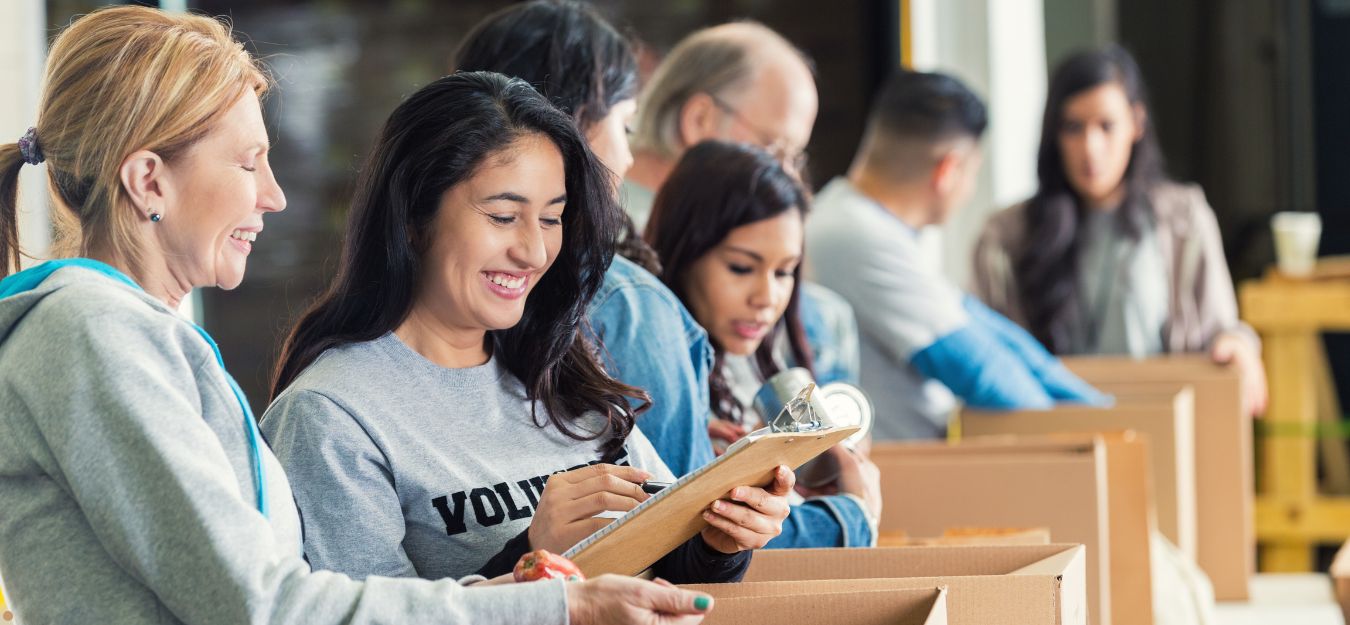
(776, 146)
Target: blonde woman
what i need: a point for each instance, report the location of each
(135, 486)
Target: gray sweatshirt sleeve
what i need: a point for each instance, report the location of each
(343, 485)
(112, 412)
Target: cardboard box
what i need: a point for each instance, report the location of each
(1087, 489)
(1022, 585)
(1165, 419)
(969, 536)
(1225, 517)
(1340, 578)
(823, 603)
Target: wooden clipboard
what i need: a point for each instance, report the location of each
(635, 541)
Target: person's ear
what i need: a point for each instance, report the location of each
(698, 119)
(946, 172)
(1140, 121)
(145, 180)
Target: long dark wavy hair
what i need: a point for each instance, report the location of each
(434, 140)
(1046, 267)
(574, 58)
(715, 188)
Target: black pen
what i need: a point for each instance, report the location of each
(651, 488)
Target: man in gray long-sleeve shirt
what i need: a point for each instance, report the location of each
(926, 344)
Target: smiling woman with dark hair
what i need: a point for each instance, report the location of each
(444, 135)
(587, 69)
(439, 410)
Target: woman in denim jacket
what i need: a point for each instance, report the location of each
(728, 226)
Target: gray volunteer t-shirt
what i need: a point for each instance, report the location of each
(404, 468)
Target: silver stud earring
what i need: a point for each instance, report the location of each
(155, 217)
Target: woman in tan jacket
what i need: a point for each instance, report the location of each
(1110, 256)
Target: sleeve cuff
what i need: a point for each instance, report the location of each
(1243, 330)
(713, 557)
(505, 560)
(848, 519)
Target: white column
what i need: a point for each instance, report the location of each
(1017, 85)
(1072, 25)
(997, 47)
(22, 50)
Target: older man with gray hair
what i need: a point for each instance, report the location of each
(734, 82)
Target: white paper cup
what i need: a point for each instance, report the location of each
(1296, 239)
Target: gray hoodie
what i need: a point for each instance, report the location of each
(127, 491)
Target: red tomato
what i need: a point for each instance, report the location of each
(542, 564)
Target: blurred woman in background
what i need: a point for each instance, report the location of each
(1110, 256)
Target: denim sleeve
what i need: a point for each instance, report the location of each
(648, 343)
(983, 372)
(1057, 380)
(835, 521)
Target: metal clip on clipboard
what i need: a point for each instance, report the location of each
(812, 409)
(798, 414)
(834, 404)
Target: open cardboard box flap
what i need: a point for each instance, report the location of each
(969, 536)
(810, 603)
(1025, 584)
(776, 565)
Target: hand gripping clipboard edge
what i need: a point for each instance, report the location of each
(638, 539)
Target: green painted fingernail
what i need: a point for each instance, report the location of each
(702, 603)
